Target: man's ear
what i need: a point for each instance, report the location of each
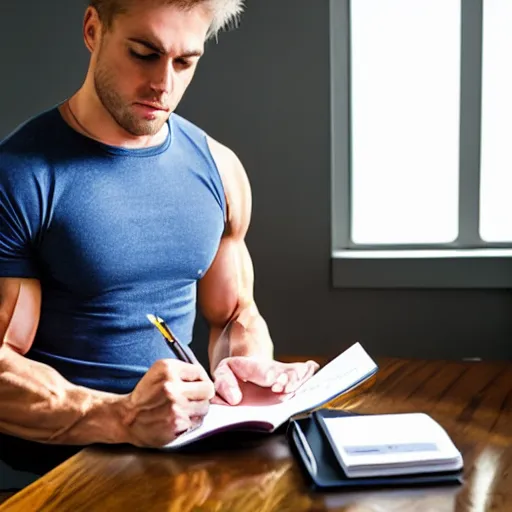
(92, 29)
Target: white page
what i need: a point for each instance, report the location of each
(341, 374)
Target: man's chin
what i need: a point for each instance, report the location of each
(144, 128)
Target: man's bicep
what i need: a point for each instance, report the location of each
(20, 309)
(228, 285)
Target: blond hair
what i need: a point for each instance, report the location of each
(226, 13)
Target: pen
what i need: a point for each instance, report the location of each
(307, 449)
(172, 340)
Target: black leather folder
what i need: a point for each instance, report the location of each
(322, 470)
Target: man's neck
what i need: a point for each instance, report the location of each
(87, 116)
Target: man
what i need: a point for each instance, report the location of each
(112, 207)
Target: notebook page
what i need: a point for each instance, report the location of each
(347, 370)
(342, 373)
(220, 417)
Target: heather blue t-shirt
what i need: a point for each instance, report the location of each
(112, 234)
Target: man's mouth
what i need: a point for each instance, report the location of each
(153, 106)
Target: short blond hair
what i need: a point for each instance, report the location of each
(226, 13)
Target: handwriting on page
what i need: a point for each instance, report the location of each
(324, 383)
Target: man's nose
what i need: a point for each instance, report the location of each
(163, 79)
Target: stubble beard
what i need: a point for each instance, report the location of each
(118, 108)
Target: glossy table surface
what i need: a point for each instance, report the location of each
(471, 400)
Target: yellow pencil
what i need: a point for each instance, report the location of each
(172, 341)
(154, 321)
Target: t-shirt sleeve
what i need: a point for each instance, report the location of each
(19, 218)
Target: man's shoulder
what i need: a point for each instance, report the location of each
(235, 181)
(183, 125)
(237, 188)
(224, 157)
(222, 151)
(25, 149)
(32, 135)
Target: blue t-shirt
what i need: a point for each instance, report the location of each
(112, 234)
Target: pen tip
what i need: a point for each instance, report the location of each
(151, 318)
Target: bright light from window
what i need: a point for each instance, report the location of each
(496, 152)
(405, 87)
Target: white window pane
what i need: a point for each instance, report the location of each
(496, 151)
(405, 86)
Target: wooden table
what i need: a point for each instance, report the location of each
(472, 400)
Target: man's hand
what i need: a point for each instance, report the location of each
(277, 377)
(172, 397)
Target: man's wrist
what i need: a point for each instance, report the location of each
(102, 418)
(247, 335)
(253, 340)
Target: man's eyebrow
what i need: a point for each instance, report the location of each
(148, 44)
(159, 49)
(192, 53)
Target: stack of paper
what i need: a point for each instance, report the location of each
(391, 444)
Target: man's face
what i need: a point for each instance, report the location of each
(146, 61)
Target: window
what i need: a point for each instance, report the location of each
(496, 162)
(422, 114)
(405, 79)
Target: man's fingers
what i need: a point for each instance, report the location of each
(196, 421)
(168, 414)
(217, 400)
(279, 377)
(289, 380)
(299, 374)
(198, 409)
(293, 376)
(226, 385)
(197, 390)
(314, 365)
(173, 369)
(258, 371)
(281, 383)
(192, 372)
(179, 416)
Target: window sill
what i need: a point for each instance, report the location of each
(455, 268)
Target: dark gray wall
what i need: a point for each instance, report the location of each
(42, 56)
(263, 90)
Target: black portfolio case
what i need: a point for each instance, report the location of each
(322, 469)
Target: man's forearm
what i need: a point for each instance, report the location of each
(40, 405)
(246, 335)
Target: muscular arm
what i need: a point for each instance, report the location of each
(37, 402)
(226, 292)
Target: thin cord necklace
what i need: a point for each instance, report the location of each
(82, 127)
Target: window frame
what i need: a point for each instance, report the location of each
(467, 262)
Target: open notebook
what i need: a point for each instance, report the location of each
(340, 375)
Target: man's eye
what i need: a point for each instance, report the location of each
(183, 63)
(140, 56)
